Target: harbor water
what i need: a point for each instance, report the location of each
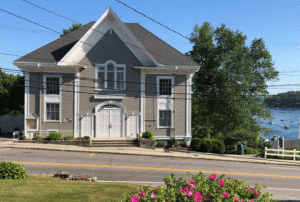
(289, 117)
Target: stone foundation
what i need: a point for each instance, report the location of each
(84, 143)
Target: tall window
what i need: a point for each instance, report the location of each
(165, 86)
(52, 86)
(111, 77)
(52, 111)
(165, 118)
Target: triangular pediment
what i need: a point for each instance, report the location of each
(109, 21)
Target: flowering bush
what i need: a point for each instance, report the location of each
(200, 189)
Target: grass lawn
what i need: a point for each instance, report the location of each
(46, 188)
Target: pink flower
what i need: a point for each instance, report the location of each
(143, 193)
(198, 197)
(189, 194)
(212, 177)
(208, 195)
(185, 190)
(191, 186)
(236, 199)
(252, 201)
(153, 196)
(255, 193)
(221, 183)
(226, 195)
(135, 198)
(156, 187)
(242, 200)
(192, 181)
(248, 189)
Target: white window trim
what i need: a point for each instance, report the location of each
(171, 118)
(47, 96)
(45, 115)
(105, 75)
(162, 97)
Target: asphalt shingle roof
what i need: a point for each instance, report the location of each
(54, 51)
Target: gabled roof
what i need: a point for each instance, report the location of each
(162, 52)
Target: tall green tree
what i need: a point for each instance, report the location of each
(11, 94)
(71, 29)
(232, 76)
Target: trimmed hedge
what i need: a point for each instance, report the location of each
(208, 145)
(160, 143)
(249, 150)
(173, 142)
(54, 136)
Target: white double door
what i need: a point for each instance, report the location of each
(109, 122)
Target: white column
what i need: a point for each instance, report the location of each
(188, 105)
(26, 101)
(76, 105)
(143, 79)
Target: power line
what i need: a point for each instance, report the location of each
(152, 96)
(95, 80)
(80, 23)
(152, 19)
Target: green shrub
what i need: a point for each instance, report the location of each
(147, 135)
(54, 136)
(249, 150)
(174, 190)
(160, 143)
(208, 145)
(195, 144)
(23, 137)
(241, 136)
(69, 137)
(173, 142)
(152, 138)
(142, 138)
(218, 146)
(87, 137)
(183, 143)
(37, 137)
(9, 170)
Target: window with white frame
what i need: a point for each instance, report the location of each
(52, 111)
(52, 86)
(165, 118)
(111, 77)
(165, 86)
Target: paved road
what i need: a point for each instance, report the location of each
(282, 181)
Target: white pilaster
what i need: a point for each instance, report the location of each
(26, 101)
(76, 105)
(188, 105)
(143, 79)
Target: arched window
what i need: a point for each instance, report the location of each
(111, 76)
(110, 106)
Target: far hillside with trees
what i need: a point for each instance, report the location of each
(289, 100)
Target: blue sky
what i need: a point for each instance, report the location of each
(276, 21)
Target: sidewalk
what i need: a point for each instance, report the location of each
(9, 143)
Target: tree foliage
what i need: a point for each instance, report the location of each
(231, 77)
(11, 94)
(71, 29)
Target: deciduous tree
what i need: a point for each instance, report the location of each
(228, 87)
